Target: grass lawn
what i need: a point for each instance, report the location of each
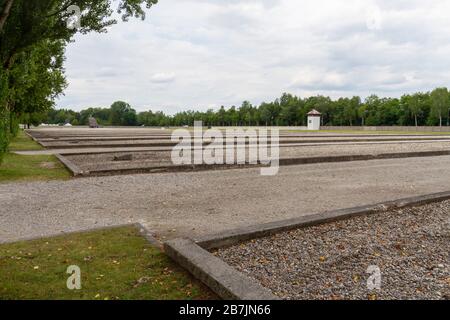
(23, 142)
(114, 263)
(28, 168)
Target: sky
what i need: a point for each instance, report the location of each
(206, 53)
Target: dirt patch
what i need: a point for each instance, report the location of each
(47, 165)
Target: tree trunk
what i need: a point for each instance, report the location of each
(11, 122)
(5, 13)
(8, 62)
(415, 119)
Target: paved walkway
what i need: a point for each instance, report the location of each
(192, 204)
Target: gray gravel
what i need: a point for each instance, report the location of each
(199, 203)
(91, 162)
(329, 261)
(282, 140)
(86, 138)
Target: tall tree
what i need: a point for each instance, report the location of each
(122, 114)
(414, 106)
(351, 109)
(440, 103)
(26, 28)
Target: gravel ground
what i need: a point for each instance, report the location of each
(155, 136)
(199, 203)
(283, 140)
(139, 131)
(93, 162)
(98, 161)
(409, 246)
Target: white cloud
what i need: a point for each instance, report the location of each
(203, 53)
(163, 77)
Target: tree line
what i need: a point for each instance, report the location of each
(419, 109)
(33, 38)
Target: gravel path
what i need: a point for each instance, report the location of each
(409, 246)
(282, 140)
(199, 203)
(404, 145)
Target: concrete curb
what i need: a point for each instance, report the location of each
(73, 168)
(170, 168)
(224, 280)
(232, 237)
(363, 157)
(168, 143)
(33, 138)
(148, 235)
(168, 136)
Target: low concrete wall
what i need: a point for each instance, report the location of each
(389, 128)
(227, 282)
(76, 171)
(224, 280)
(232, 237)
(355, 128)
(302, 128)
(72, 167)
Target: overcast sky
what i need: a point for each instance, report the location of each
(207, 53)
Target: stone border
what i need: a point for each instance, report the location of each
(224, 280)
(72, 167)
(292, 140)
(282, 162)
(363, 157)
(232, 237)
(148, 235)
(33, 138)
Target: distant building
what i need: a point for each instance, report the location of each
(93, 122)
(314, 117)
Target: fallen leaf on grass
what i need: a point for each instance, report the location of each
(141, 281)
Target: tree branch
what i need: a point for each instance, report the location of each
(63, 9)
(5, 13)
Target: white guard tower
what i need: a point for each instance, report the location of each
(314, 120)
